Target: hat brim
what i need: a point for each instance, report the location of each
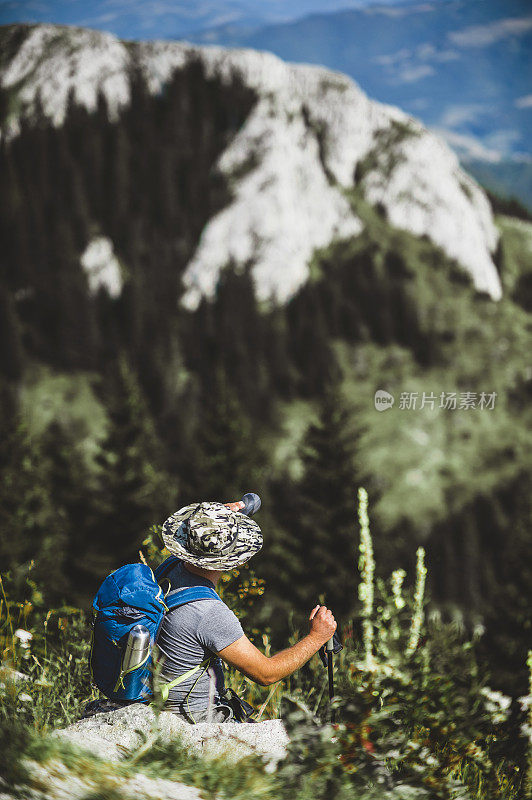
(175, 537)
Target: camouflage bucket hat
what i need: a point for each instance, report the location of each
(212, 536)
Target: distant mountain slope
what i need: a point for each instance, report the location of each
(310, 139)
(462, 66)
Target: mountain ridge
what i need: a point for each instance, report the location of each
(310, 140)
(462, 67)
(459, 65)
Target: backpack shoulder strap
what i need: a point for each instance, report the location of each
(188, 595)
(165, 567)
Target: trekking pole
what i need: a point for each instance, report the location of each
(326, 653)
(329, 647)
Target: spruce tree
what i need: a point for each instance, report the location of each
(225, 456)
(71, 487)
(311, 350)
(11, 353)
(134, 491)
(321, 553)
(32, 533)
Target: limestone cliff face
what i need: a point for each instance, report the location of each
(311, 140)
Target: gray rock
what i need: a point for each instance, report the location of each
(9, 675)
(55, 781)
(116, 734)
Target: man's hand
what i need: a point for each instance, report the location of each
(249, 660)
(322, 624)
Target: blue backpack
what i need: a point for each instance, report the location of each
(132, 596)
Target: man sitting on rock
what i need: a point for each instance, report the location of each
(210, 539)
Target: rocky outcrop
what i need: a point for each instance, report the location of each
(54, 780)
(113, 734)
(76, 774)
(311, 140)
(102, 267)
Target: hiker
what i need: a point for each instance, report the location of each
(210, 539)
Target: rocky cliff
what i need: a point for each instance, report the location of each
(311, 144)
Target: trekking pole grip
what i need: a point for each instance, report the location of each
(249, 504)
(252, 503)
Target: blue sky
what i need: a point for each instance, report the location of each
(145, 19)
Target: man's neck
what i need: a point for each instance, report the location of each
(213, 575)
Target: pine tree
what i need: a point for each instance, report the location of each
(311, 348)
(226, 454)
(32, 533)
(238, 340)
(322, 553)
(134, 490)
(11, 352)
(71, 488)
(116, 181)
(65, 309)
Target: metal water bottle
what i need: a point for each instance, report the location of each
(137, 648)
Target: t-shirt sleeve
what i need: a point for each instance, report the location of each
(219, 627)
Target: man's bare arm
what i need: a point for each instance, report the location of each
(265, 670)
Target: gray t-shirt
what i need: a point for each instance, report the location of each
(188, 635)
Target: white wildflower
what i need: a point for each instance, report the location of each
(24, 637)
(497, 704)
(366, 566)
(419, 594)
(525, 702)
(398, 576)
